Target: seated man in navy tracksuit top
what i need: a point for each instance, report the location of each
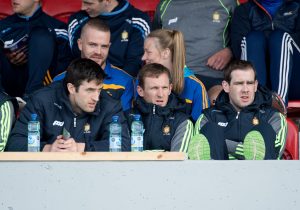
(94, 43)
(33, 42)
(76, 104)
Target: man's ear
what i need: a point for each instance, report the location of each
(71, 88)
(256, 84)
(225, 86)
(79, 43)
(171, 87)
(140, 91)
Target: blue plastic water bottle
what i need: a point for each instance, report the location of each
(115, 135)
(137, 131)
(33, 134)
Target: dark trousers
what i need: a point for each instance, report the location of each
(20, 80)
(276, 59)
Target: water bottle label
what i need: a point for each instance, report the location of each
(115, 142)
(33, 140)
(136, 141)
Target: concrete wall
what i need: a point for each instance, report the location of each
(150, 185)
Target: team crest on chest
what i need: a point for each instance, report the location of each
(166, 130)
(255, 121)
(124, 36)
(87, 128)
(216, 17)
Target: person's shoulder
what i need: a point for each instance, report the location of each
(47, 93)
(108, 103)
(8, 20)
(78, 16)
(136, 13)
(120, 73)
(193, 82)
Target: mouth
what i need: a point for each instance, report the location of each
(159, 102)
(245, 98)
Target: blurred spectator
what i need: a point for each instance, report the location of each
(267, 33)
(33, 42)
(205, 27)
(129, 26)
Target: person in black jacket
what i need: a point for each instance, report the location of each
(267, 33)
(73, 104)
(128, 25)
(35, 48)
(167, 126)
(242, 124)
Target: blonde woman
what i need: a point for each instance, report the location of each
(166, 47)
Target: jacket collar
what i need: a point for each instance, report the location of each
(36, 14)
(263, 98)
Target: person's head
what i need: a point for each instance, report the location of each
(97, 7)
(167, 48)
(94, 41)
(155, 84)
(240, 83)
(83, 83)
(25, 7)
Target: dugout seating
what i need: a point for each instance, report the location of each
(291, 151)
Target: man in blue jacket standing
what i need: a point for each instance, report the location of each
(76, 105)
(33, 43)
(129, 26)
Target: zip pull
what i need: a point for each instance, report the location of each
(153, 110)
(74, 122)
(237, 116)
(272, 25)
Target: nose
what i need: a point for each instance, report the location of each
(160, 92)
(96, 95)
(245, 88)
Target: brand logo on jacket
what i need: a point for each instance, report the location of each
(223, 124)
(174, 20)
(124, 36)
(166, 130)
(288, 13)
(58, 123)
(216, 17)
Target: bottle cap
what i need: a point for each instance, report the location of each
(115, 118)
(33, 117)
(137, 117)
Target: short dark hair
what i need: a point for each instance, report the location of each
(153, 70)
(97, 24)
(237, 65)
(83, 69)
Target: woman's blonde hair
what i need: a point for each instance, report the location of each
(173, 40)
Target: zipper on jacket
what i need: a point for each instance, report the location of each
(237, 116)
(153, 109)
(74, 122)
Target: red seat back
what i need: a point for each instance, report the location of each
(148, 6)
(291, 151)
(61, 9)
(5, 8)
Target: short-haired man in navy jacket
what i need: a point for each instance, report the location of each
(74, 104)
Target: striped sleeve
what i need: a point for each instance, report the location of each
(7, 118)
(279, 124)
(202, 120)
(182, 136)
